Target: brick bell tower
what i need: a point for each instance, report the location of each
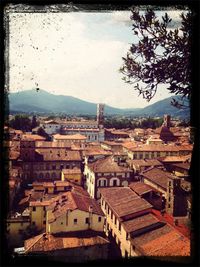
(100, 121)
(100, 114)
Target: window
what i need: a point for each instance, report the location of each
(53, 167)
(34, 208)
(44, 222)
(115, 220)
(169, 198)
(33, 223)
(114, 182)
(126, 236)
(99, 219)
(87, 220)
(75, 221)
(61, 166)
(61, 223)
(170, 183)
(169, 205)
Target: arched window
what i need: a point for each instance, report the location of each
(47, 175)
(114, 182)
(102, 182)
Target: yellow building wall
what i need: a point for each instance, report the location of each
(38, 216)
(180, 174)
(65, 223)
(50, 190)
(76, 178)
(121, 236)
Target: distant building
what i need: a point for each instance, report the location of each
(166, 135)
(46, 164)
(51, 127)
(100, 115)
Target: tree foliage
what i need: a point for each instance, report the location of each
(42, 132)
(162, 55)
(122, 123)
(34, 122)
(21, 122)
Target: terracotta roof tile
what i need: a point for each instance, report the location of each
(140, 188)
(123, 201)
(59, 154)
(140, 223)
(158, 176)
(170, 243)
(32, 137)
(49, 242)
(107, 165)
(69, 137)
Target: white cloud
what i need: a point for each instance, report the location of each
(53, 52)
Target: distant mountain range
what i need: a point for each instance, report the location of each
(40, 101)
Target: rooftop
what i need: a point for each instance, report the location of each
(107, 165)
(123, 201)
(152, 147)
(140, 188)
(140, 222)
(69, 137)
(164, 241)
(73, 201)
(34, 137)
(158, 176)
(59, 154)
(50, 242)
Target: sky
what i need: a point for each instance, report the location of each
(74, 53)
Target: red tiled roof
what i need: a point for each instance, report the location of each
(73, 201)
(153, 148)
(123, 201)
(168, 244)
(158, 176)
(59, 154)
(182, 165)
(140, 188)
(107, 165)
(49, 242)
(69, 137)
(145, 162)
(140, 223)
(33, 137)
